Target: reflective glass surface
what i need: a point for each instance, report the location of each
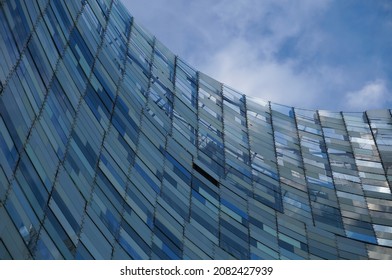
(112, 147)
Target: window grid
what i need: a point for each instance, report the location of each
(112, 147)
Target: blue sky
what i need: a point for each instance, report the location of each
(324, 54)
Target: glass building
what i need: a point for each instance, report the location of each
(111, 147)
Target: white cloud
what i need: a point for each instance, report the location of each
(247, 41)
(373, 95)
(197, 29)
(286, 51)
(238, 66)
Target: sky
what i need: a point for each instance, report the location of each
(326, 54)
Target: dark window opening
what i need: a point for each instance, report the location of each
(205, 174)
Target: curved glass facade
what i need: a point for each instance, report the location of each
(111, 147)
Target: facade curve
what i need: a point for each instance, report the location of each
(112, 147)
